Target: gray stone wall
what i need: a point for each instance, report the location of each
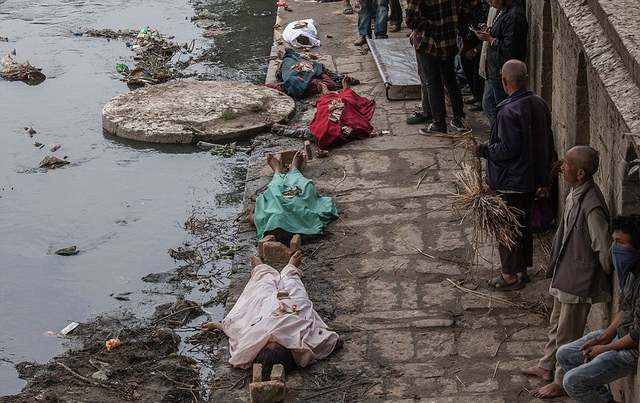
(583, 60)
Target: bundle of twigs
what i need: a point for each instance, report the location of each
(490, 214)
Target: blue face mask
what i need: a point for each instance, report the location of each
(623, 260)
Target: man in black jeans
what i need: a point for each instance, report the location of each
(434, 24)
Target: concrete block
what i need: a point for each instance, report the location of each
(268, 238)
(296, 243)
(275, 252)
(277, 373)
(307, 149)
(257, 372)
(266, 392)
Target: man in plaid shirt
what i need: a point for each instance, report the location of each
(434, 25)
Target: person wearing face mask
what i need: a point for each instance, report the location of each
(580, 264)
(608, 354)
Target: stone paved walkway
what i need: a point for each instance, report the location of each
(410, 335)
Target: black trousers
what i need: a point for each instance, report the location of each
(520, 256)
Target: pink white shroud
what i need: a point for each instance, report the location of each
(258, 317)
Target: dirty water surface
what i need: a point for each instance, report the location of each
(122, 204)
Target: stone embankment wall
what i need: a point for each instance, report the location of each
(584, 59)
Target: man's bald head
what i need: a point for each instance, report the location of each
(586, 158)
(515, 73)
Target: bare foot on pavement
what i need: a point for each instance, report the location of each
(255, 261)
(539, 372)
(298, 158)
(274, 163)
(296, 259)
(209, 326)
(549, 391)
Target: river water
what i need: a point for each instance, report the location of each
(121, 203)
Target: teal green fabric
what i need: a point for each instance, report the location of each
(307, 213)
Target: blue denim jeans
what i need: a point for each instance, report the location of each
(381, 17)
(441, 73)
(585, 381)
(498, 91)
(489, 103)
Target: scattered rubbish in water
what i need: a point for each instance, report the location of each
(77, 33)
(54, 147)
(30, 130)
(225, 150)
(282, 3)
(37, 144)
(68, 251)
(112, 343)
(4, 38)
(50, 333)
(143, 33)
(69, 328)
(25, 72)
(52, 162)
(153, 58)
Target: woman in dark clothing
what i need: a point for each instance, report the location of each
(471, 46)
(507, 39)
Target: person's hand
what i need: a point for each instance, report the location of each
(589, 343)
(592, 352)
(475, 148)
(483, 27)
(470, 55)
(484, 36)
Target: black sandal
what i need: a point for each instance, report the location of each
(347, 9)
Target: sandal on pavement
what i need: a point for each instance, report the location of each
(499, 284)
(347, 9)
(524, 279)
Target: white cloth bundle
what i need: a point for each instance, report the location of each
(298, 28)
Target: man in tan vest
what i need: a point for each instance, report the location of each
(579, 266)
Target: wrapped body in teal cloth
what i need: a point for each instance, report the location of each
(291, 203)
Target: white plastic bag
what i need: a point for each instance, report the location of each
(299, 28)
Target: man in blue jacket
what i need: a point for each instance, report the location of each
(518, 156)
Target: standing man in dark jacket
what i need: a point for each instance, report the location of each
(507, 38)
(518, 155)
(579, 266)
(435, 31)
(605, 355)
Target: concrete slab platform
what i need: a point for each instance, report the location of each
(186, 112)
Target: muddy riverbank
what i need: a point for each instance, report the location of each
(123, 204)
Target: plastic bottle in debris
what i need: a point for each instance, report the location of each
(143, 33)
(77, 33)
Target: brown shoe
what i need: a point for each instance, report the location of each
(361, 41)
(381, 37)
(394, 28)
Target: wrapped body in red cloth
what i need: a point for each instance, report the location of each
(342, 117)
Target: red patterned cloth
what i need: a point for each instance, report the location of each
(353, 122)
